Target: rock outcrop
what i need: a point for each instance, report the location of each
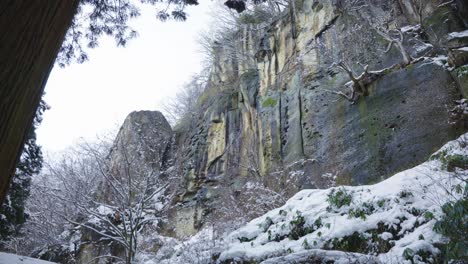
(146, 135)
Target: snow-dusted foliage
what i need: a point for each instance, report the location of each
(84, 198)
(56, 194)
(127, 204)
(198, 249)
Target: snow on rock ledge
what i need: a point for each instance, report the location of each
(379, 223)
(6, 258)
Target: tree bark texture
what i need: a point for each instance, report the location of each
(31, 33)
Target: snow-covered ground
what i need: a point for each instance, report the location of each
(388, 222)
(6, 258)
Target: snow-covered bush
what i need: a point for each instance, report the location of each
(454, 225)
(339, 197)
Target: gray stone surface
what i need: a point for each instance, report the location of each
(145, 135)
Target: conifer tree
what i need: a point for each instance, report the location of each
(12, 211)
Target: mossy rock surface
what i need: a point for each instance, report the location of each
(269, 102)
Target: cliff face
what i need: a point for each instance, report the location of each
(272, 122)
(271, 118)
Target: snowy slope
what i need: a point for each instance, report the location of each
(383, 221)
(6, 258)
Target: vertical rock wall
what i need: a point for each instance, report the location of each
(269, 115)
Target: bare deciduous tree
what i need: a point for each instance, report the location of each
(55, 193)
(395, 41)
(87, 191)
(128, 203)
(184, 103)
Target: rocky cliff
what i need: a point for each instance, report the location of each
(277, 115)
(271, 113)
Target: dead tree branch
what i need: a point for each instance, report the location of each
(397, 42)
(359, 84)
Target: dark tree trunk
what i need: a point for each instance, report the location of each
(31, 32)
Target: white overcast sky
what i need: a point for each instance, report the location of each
(95, 97)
